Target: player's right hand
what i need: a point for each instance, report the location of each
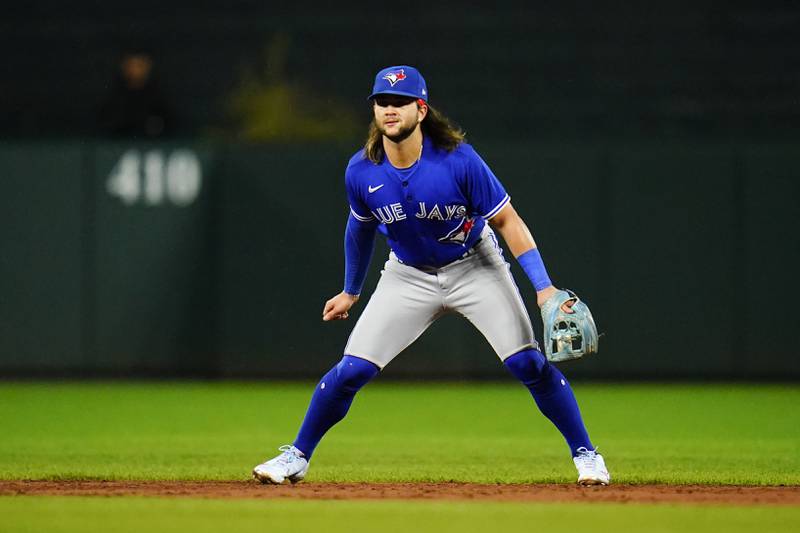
(337, 307)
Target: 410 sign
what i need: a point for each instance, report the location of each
(154, 178)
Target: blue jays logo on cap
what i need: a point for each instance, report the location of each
(394, 77)
(402, 80)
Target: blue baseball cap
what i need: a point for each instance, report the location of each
(402, 80)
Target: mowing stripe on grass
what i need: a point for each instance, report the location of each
(134, 515)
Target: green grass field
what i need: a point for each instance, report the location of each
(398, 432)
(134, 515)
(712, 434)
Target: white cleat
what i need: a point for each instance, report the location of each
(289, 465)
(591, 468)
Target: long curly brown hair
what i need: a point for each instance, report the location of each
(441, 130)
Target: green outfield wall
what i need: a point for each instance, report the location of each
(209, 259)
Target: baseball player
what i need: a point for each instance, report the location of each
(438, 204)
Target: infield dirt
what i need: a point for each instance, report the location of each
(694, 494)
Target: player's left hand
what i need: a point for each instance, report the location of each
(568, 333)
(543, 295)
(337, 307)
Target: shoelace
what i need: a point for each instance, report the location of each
(586, 457)
(288, 456)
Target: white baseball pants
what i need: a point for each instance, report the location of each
(408, 300)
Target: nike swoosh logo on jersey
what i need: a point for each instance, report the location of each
(373, 189)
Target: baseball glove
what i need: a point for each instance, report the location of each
(568, 335)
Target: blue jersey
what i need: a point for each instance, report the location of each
(432, 212)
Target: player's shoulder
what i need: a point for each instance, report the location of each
(358, 165)
(358, 158)
(465, 150)
(359, 162)
(463, 154)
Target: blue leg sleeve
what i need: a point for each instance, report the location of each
(552, 394)
(332, 399)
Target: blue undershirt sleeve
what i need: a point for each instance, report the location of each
(359, 243)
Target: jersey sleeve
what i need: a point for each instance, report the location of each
(358, 208)
(486, 194)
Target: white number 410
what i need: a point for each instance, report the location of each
(153, 179)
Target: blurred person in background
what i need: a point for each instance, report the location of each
(135, 106)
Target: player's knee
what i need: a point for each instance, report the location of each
(528, 366)
(354, 372)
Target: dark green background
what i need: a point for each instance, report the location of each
(685, 252)
(507, 69)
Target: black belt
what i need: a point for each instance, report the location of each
(432, 270)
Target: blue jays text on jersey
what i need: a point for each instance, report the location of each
(433, 211)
